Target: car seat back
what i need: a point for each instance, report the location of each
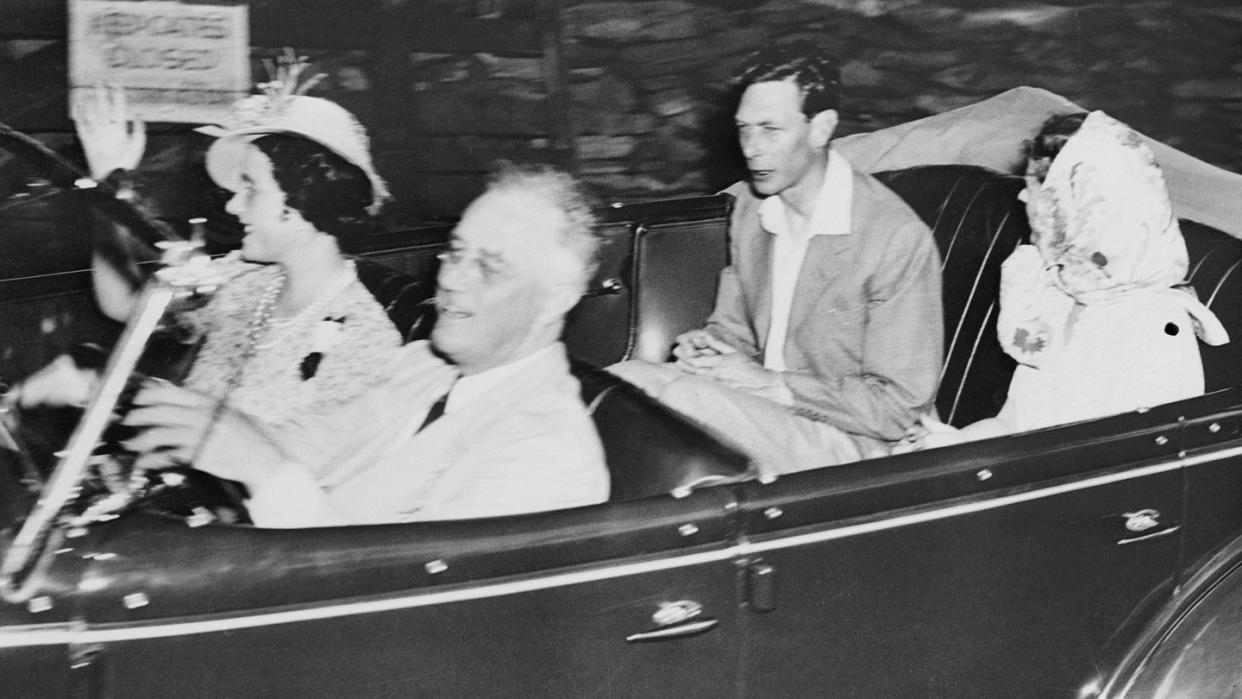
(977, 221)
(649, 448)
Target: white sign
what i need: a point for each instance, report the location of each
(178, 61)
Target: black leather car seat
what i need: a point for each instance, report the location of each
(977, 221)
(1214, 260)
(649, 448)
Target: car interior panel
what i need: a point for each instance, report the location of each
(596, 328)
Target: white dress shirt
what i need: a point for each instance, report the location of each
(831, 216)
(469, 388)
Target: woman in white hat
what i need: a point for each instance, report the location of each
(294, 329)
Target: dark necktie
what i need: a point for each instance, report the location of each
(436, 412)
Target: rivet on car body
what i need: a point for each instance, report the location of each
(688, 529)
(42, 603)
(984, 474)
(773, 512)
(92, 583)
(1162, 440)
(134, 600)
(436, 566)
(1214, 427)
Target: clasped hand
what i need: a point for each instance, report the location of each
(699, 352)
(178, 426)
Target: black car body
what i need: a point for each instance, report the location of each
(1018, 566)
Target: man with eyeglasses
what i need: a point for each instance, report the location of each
(482, 420)
(826, 341)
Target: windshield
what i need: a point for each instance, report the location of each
(49, 218)
(44, 226)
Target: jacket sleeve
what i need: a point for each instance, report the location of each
(729, 320)
(903, 346)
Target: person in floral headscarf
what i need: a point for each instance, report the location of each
(1096, 310)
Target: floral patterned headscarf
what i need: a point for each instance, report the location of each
(1101, 227)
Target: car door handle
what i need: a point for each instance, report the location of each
(1142, 523)
(675, 620)
(690, 628)
(1148, 537)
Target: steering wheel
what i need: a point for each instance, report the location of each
(31, 549)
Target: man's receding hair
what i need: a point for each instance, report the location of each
(563, 193)
(809, 66)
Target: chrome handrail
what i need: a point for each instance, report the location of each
(29, 553)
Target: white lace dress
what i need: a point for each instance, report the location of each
(295, 366)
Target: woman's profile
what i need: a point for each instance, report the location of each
(293, 329)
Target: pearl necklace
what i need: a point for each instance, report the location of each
(272, 330)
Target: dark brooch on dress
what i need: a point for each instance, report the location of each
(326, 334)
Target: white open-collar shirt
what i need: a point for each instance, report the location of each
(471, 388)
(831, 216)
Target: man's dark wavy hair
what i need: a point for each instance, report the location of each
(331, 193)
(810, 67)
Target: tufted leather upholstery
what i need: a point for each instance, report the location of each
(1214, 261)
(656, 278)
(977, 221)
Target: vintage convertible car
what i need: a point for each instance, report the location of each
(1020, 566)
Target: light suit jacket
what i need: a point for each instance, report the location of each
(866, 339)
(527, 446)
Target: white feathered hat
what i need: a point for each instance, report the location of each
(282, 109)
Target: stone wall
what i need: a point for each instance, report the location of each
(653, 118)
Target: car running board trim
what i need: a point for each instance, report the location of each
(57, 634)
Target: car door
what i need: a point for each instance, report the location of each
(1009, 567)
(622, 599)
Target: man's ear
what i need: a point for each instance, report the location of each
(823, 125)
(562, 297)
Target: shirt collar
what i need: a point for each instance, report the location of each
(469, 388)
(832, 207)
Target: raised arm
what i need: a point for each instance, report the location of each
(112, 140)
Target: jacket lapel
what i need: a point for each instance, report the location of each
(762, 284)
(820, 271)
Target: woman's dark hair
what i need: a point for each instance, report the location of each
(331, 193)
(1052, 136)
